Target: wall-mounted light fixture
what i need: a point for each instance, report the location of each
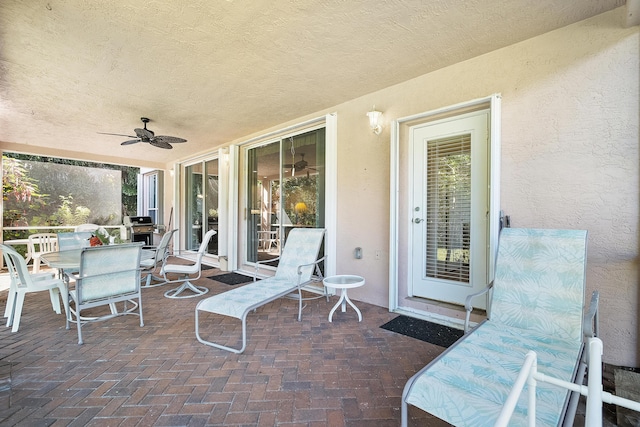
(375, 120)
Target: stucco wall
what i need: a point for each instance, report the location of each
(569, 157)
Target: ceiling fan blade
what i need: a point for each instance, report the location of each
(160, 144)
(169, 139)
(116, 134)
(144, 133)
(132, 141)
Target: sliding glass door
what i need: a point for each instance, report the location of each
(201, 204)
(285, 189)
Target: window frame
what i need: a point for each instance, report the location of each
(155, 189)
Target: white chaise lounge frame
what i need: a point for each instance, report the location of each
(298, 266)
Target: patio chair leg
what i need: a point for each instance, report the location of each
(15, 319)
(11, 311)
(11, 298)
(54, 295)
(187, 285)
(79, 323)
(151, 278)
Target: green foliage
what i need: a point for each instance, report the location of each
(39, 191)
(69, 215)
(20, 192)
(301, 189)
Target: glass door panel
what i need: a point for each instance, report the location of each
(194, 206)
(201, 204)
(263, 166)
(303, 181)
(285, 190)
(211, 203)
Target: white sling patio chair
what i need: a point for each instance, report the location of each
(22, 283)
(297, 265)
(185, 272)
(73, 240)
(108, 275)
(159, 258)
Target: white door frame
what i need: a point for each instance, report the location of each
(399, 225)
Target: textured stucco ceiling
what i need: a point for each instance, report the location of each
(211, 71)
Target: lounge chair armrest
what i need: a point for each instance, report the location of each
(590, 328)
(469, 307)
(257, 266)
(299, 270)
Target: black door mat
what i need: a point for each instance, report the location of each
(231, 278)
(420, 329)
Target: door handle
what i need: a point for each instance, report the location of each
(418, 220)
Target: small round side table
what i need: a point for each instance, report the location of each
(344, 282)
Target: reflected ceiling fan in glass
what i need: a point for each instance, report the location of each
(298, 166)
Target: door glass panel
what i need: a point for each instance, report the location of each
(201, 213)
(211, 203)
(303, 180)
(263, 166)
(448, 208)
(194, 206)
(285, 189)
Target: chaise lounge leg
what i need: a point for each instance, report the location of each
(220, 346)
(404, 410)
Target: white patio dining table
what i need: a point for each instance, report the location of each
(70, 259)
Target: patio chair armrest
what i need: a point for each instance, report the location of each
(590, 324)
(469, 307)
(111, 273)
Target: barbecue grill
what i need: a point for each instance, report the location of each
(140, 228)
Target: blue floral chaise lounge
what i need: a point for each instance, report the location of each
(537, 304)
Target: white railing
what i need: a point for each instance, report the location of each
(593, 390)
(122, 228)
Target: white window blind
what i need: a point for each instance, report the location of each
(448, 208)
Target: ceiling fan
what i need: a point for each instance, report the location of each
(146, 135)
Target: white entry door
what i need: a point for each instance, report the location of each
(449, 228)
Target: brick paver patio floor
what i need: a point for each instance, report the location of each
(309, 373)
